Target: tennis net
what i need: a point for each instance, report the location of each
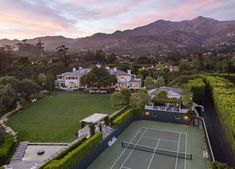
(183, 155)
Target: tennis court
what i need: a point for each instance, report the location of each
(151, 145)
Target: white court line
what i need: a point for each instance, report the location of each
(168, 131)
(150, 162)
(157, 138)
(126, 167)
(185, 161)
(132, 149)
(125, 149)
(176, 161)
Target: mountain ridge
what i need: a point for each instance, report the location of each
(200, 32)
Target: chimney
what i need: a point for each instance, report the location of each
(74, 69)
(115, 69)
(129, 72)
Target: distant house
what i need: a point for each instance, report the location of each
(125, 79)
(71, 80)
(169, 109)
(172, 93)
(172, 103)
(173, 68)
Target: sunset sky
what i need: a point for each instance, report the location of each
(78, 18)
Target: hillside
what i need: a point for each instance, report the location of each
(161, 35)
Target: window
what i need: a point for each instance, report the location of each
(154, 114)
(177, 117)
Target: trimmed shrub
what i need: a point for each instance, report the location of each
(197, 87)
(219, 165)
(70, 148)
(118, 113)
(230, 77)
(120, 120)
(7, 149)
(222, 93)
(72, 158)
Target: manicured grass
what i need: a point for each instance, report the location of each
(56, 118)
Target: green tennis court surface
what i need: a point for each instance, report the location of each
(151, 145)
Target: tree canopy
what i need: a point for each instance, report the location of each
(98, 78)
(139, 99)
(149, 83)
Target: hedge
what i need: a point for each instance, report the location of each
(66, 151)
(7, 149)
(230, 77)
(124, 117)
(197, 87)
(118, 113)
(219, 165)
(222, 93)
(72, 158)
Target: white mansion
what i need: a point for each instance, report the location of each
(71, 80)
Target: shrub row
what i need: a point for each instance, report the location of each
(124, 117)
(222, 93)
(230, 77)
(66, 151)
(197, 86)
(69, 149)
(118, 113)
(7, 149)
(219, 165)
(72, 158)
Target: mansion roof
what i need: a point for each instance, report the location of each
(79, 72)
(83, 71)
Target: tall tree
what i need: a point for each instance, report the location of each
(139, 99)
(42, 78)
(6, 54)
(62, 50)
(126, 93)
(50, 81)
(117, 100)
(149, 83)
(98, 78)
(160, 82)
(40, 47)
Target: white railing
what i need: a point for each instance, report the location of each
(163, 108)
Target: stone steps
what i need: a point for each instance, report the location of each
(19, 153)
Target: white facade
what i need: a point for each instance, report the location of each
(71, 80)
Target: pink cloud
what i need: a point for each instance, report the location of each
(21, 19)
(183, 12)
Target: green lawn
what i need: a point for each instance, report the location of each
(56, 118)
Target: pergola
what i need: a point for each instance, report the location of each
(95, 119)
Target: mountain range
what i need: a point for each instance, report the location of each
(161, 35)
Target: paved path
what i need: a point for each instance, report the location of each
(221, 149)
(5, 117)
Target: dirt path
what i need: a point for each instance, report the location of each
(221, 149)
